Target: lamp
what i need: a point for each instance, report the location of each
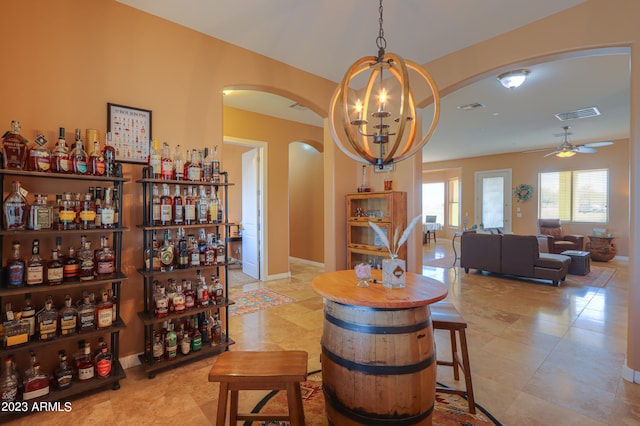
(566, 149)
(513, 79)
(387, 98)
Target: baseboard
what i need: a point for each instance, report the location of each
(130, 361)
(307, 262)
(278, 276)
(630, 375)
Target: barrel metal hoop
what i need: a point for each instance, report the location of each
(372, 329)
(370, 308)
(369, 418)
(379, 370)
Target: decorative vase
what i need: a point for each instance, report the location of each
(602, 249)
(394, 272)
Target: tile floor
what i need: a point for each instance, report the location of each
(540, 355)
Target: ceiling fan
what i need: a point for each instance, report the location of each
(567, 149)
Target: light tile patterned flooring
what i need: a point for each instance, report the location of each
(540, 355)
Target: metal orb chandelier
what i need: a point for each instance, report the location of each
(385, 96)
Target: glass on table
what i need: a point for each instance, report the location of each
(363, 274)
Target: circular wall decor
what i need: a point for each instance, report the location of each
(523, 192)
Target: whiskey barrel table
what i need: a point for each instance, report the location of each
(378, 354)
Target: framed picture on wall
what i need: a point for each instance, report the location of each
(130, 130)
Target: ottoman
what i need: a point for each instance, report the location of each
(580, 261)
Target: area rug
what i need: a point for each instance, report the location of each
(443, 262)
(450, 410)
(256, 300)
(598, 277)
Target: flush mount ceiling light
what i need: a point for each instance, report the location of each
(513, 79)
(385, 96)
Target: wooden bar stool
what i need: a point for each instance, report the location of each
(444, 316)
(276, 370)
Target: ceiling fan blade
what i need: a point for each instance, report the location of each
(597, 144)
(585, 150)
(551, 153)
(537, 150)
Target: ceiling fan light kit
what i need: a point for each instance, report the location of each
(513, 79)
(567, 149)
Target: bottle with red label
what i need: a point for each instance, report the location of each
(104, 260)
(103, 360)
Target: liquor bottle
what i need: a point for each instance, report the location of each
(104, 260)
(87, 268)
(216, 329)
(189, 294)
(221, 256)
(97, 164)
(155, 159)
(158, 347)
(183, 250)
(166, 162)
(114, 305)
(87, 213)
(220, 209)
(59, 248)
(204, 327)
(84, 363)
(64, 373)
(8, 383)
(193, 168)
(47, 321)
(203, 206)
(152, 256)
(104, 312)
(35, 266)
(207, 167)
(79, 159)
(155, 206)
(14, 148)
(185, 341)
(98, 203)
(189, 207)
(195, 335)
(40, 213)
(103, 360)
(194, 252)
(178, 300)
(166, 206)
(115, 201)
(187, 164)
(109, 154)
(216, 165)
(218, 289)
(67, 215)
(160, 301)
(39, 155)
(36, 384)
(202, 245)
(55, 212)
(210, 251)
(178, 210)
(68, 318)
(178, 164)
(77, 206)
(71, 266)
(16, 267)
(212, 214)
(15, 208)
(108, 212)
(86, 315)
(54, 269)
(29, 315)
(61, 162)
(167, 253)
(202, 292)
(171, 343)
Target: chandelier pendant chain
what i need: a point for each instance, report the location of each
(381, 42)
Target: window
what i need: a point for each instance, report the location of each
(576, 196)
(433, 200)
(453, 200)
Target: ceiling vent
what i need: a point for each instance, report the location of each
(298, 107)
(469, 107)
(578, 114)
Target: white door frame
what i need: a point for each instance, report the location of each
(504, 173)
(262, 205)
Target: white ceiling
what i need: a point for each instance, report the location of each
(326, 37)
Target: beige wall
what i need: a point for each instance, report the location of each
(72, 57)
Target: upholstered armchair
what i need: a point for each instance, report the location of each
(557, 240)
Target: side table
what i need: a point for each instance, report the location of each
(580, 261)
(601, 248)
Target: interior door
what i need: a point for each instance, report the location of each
(493, 199)
(251, 213)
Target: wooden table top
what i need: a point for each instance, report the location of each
(340, 286)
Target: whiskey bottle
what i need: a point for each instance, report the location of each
(68, 318)
(167, 254)
(67, 216)
(171, 343)
(108, 212)
(195, 335)
(203, 206)
(104, 361)
(40, 213)
(194, 169)
(115, 200)
(166, 162)
(14, 148)
(183, 250)
(185, 341)
(88, 212)
(178, 210)
(207, 167)
(8, 383)
(158, 347)
(60, 155)
(189, 294)
(160, 301)
(104, 312)
(178, 164)
(97, 165)
(218, 289)
(98, 203)
(64, 373)
(204, 327)
(104, 260)
(87, 270)
(47, 321)
(15, 208)
(84, 363)
(155, 206)
(54, 269)
(213, 208)
(202, 292)
(216, 329)
(194, 252)
(155, 160)
(189, 207)
(79, 158)
(114, 305)
(166, 206)
(16, 267)
(36, 384)
(216, 165)
(86, 315)
(71, 266)
(39, 155)
(152, 256)
(210, 251)
(178, 302)
(29, 315)
(35, 266)
(109, 154)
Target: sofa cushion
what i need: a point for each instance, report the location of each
(519, 252)
(552, 261)
(481, 251)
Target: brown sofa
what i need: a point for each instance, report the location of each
(508, 254)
